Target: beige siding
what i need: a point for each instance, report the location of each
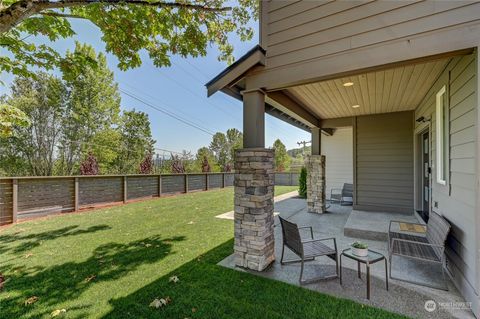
(457, 200)
(302, 30)
(338, 150)
(384, 166)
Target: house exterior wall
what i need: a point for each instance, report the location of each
(456, 201)
(307, 41)
(384, 162)
(338, 151)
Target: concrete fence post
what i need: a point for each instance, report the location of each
(14, 199)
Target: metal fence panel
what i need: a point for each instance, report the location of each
(142, 186)
(100, 190)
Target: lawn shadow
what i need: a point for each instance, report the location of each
(207, 290)
(66, 282)
(30, 241)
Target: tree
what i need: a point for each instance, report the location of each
(161, 28)
(282, 159)
(93, 106)
(89, 166)
(43, 102)
(9, 118)
(146, 166)
(202, 154)
(302, 183)
(135, 140)
(223, 147)
(177, 165)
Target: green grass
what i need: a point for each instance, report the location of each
(132, 251)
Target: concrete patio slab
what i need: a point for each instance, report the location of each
(403, 298)
(373, 225)
(279, 198)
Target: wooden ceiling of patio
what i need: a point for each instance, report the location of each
(383, 91)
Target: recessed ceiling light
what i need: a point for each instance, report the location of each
(355, 106)
(348, 84)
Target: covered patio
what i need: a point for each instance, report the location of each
(403, 298)
(405, 166)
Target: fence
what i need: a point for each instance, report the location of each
(27, 197)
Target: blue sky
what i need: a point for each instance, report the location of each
(179, 89)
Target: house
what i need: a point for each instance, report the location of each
(402, 76)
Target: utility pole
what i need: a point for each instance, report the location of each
(304, 143)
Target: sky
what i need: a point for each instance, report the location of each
(179, 90)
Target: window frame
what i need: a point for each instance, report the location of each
(441, 138)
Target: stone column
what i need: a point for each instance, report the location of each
(315, 165)
(254, 188)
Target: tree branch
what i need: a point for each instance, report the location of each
(23, 9)
(61, 15)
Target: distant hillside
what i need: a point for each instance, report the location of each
(298, 151)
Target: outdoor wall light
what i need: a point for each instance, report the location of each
(348, 84)
(355, 106)
(422, 119)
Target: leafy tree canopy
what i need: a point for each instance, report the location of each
(161, 28)
(9, 118)
(282, 159)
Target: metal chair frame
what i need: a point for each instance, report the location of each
(294, 242)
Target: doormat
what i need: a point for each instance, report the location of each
(413, 228)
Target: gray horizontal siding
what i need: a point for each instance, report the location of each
(457, 201)
(384, 162)
(303, 31)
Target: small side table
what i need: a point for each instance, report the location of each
(368, 260)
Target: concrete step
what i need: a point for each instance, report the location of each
(373, 225)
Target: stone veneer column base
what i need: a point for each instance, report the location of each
(315, 165)
(254, 188)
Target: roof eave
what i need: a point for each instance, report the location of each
(233, 73)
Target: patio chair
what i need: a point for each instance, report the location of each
(339, 194)
(429, 248)
(306, 249)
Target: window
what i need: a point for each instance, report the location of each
(441, 137)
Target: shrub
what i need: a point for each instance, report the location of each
(302, 183)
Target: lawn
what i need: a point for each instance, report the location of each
(115, 261)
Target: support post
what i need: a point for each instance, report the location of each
(76, 195)
(253, 118)
(223, 180)
(254, 189)
(316, 141)
(186, 183)
(253, 212)
(14, 200)
(315, 165)
(206, 181)
(125, 195)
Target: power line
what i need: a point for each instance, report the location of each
(198, 96)
(117, 147)
(154, 98)
(275, 127)
(166, 112)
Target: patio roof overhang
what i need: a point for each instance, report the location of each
(323, 103)
(231, 81)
